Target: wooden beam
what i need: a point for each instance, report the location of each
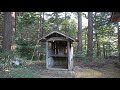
(47, 55)
(57, 39)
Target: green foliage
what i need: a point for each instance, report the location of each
(25, 48)
(6, 58)
(81, 56)
(28, 26)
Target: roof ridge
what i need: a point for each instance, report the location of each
(59, 32)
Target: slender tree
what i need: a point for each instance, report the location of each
(56, 18)
(79, 31)
(42, 23)
(65, 21)
(14, 15)
(40, 26)
(90, 36)
(1, 28)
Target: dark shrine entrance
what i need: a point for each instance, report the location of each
(58, 53)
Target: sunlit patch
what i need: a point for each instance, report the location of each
(88, 73)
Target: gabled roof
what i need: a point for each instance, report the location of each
(115, 17)
(59, 33)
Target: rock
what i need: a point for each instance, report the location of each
(16, 62)
(76, 68)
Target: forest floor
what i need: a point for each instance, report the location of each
(38, 70)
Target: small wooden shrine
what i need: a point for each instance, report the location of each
(59, 50)
(115, 17)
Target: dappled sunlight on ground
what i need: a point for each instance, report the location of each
(88, 73)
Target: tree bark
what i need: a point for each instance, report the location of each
(96, 36)
(13, 29)
(85, 40)
(40, 53)
(97, 45)
(90, 36)
(56, 19)
(80, 31)
(65, 23)
(7, 32)
(42, 24)
(119, 41)
(104, 50)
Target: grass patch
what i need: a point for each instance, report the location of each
(20, 73)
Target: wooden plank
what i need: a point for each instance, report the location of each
(71, 55)
(47, 55)
(59, 55)
(68, 48)
(57, 39)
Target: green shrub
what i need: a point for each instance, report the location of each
(5, 58)
(81, 56)
(9, 59)
(25, 48)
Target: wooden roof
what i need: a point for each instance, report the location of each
(51, 34)
(115, 17)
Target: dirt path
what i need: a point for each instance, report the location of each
(106, 71)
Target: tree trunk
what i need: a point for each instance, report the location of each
(40, 55)
(119, 40)
(1, 29)
(85, 40)
(97, 45)
(96, 36)
(7, 32)
(80, 31)
(65, 23)
(42, 24)
(109, 49)
(90, 36)
(104, 50)
(56, 19)
(15, 23)
(40, 35)
(14, 29)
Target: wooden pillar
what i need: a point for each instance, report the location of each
(71, 55)
(69, 61)
(47, 54)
